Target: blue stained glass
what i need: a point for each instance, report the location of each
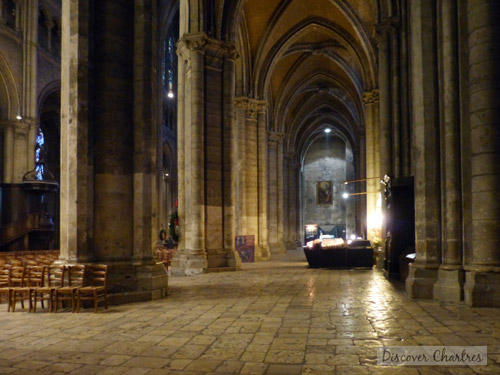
(39, 172)
(40, 141)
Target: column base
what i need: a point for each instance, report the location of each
(129, 282)
(420, 281)
(290, 245)
(261, 253)
(277, 248)
(380, 258)
(189, 262)
(449, 286)
(223, 260)
(482, 289)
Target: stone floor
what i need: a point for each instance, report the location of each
(271, 318)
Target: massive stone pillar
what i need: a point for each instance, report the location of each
(275, 192)
(107, 135)
(206, 156)
(77, 190)
(423, 272)
(482, 286)
(449, 286)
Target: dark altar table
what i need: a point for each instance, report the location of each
(340, 257)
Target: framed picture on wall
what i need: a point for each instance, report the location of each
(324, 192)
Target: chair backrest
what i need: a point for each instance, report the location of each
(5, 275)
(15, 262)
(76, 275)
(36, 276)
(98, 275)
(56, 275)
(17, 276)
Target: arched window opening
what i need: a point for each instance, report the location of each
(43, 31)
(9, 13)
(169, 75)
(55, 40)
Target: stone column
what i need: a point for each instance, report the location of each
(384, 30)
(423, 273)
(76, 189)
(275, 191)
(248, 172)
(240, 126)
(191, 258)
(371, 100)
(450, 275)
(206, 143)
(482, 286)
(8, 172)
(21, 145)
(106, 130)
(150, 276)
(230, 157)
(292, 201)
(29, 87)
(262, 162)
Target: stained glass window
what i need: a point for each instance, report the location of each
(9, 13)
(40, 141)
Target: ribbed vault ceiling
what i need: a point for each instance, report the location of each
(311, 60)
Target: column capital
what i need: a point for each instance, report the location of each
(371, 97)
(385, 28)
(274, 138)
(251, 106)
(215, 50)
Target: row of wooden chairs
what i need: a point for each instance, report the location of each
(28, 259)
(54, 284)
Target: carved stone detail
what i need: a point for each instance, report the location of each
(371, 97)
(215, 51)
(251, 106)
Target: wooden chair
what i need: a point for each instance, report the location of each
(18, 283)
(34, 277)
(97, 289)
(4, 284)
(54, 280)
(76, 279)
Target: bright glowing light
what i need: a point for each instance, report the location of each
(170, 94)
(345, 195)
(19, 117)
(328, 130)
(353, 236)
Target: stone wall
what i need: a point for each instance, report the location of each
(329, 158)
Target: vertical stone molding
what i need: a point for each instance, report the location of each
(206, 156)
(482, 286)
(449, 286)
(292, 232)
(373, 186)
(262, 163)
(423, 272)
(275, 192)
(29, 87)
(8, 172)
(384, 31)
